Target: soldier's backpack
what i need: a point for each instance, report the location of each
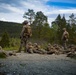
(27, 31)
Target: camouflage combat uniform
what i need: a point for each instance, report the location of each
(25, 34)
(65, 37)
(37, 49)
(29, 47)
(50, 49)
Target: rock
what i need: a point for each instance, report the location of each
(12, 54)
(72, 48)
(72, 55)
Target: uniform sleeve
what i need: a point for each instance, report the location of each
(67, 34)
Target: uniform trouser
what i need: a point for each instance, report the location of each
(29, 50)
(39, 51)
(23, 44)
(65, 44)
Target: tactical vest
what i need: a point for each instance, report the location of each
(27, 31)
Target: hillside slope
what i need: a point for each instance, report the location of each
(12, 28)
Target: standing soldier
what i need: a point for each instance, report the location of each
(25, 34)
(65, 37)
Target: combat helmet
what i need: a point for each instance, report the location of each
(25, 22)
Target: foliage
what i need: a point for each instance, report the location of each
(5, 40)
(45, 34)
(29, 15)
(58, 25)
(40, 20)
(14, 44)
(13, 29)
(71, 26)
(3, 55)
(40, 29)
(54, 34)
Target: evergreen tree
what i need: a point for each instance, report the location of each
(61, 23)
(72, 20)
(40, 20)
(58, 22)
(5, 40)
(54, 34)
(46, 32)
(72, 28)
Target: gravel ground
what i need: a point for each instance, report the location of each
(35, 64)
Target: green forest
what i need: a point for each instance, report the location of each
(41, 29)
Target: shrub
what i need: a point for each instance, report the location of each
(5, 40)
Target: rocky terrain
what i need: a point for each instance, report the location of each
(37, 64)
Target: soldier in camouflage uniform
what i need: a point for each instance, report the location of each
(25, 34)
(50, 49)
(65, 37)
(29, 47)
(38, 49)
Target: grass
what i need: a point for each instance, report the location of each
(11, 48)
(15, 44)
